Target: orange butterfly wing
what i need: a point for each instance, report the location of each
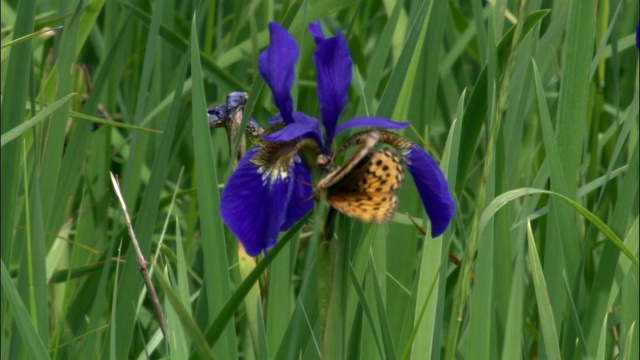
(367, 192)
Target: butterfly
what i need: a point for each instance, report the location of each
(364, 187)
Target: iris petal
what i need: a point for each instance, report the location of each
(638, 36)
(253, 206)
(304, 127)
(315, 28)
(301, 200)
(288, 133)
(372, 122)
(277, 66)
(433, 188)
(333, 72)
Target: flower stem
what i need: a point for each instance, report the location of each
(332, 283)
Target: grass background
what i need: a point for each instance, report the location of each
(535, 126)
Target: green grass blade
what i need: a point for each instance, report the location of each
(188, 323)
(13, 114)
(366, 308)
(33, 344)
(35, 258)
(387, 341)
(477, 106)
(219, 324)
(503, 199)
(575, 319)
(602, 344)
(42, 115)
(28, 37)
(97, 120)
(512, 344)
(428, 287)
(404, 72)
(59, 83)
(549, 333)
(216, 273)
(279, 307)
(629, 343)
(378, 60)
(564, 248)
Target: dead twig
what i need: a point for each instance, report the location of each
(153, 295)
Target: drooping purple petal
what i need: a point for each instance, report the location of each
(433, 188)
(371, 122)
(315, 28)
(333, 73)
(304, 126)
(277, 66)
(254, 206)
(301, 200)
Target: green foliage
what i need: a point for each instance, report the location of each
(531, 108)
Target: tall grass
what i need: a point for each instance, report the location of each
(531, 108)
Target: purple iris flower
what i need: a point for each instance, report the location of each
(270, 190)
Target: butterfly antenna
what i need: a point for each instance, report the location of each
(450, 256)
(420, 228)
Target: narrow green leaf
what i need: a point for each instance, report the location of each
(477, 106)
(505, 198)
(14, 97)
(602, 343)
(428, 287)
(389, 348)
(628, 343)
(549, 333)
(27, 37)
(188, 323)
(42, 115)
(366, 308)
(216, 329)
(216, 273)
(512, 344)
(34, 346)
(575, 318)
(97, 120)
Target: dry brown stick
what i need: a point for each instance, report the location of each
(153, 295)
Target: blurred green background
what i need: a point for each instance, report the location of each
(531, 108)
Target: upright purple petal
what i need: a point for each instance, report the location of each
(315, 28)
(371, 121)
(433, 188)
(301, 200)
(333, 72)
(253, 206)
(277, 66)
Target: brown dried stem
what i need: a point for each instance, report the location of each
(151, 290)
